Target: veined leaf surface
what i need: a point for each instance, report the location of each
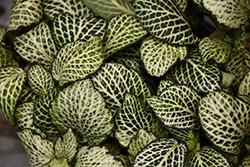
(182, 4)
(244, 88)
(176, 107)
(162, 152)
(6, 57)
(163, 85)
(114, 80)
(165, 21)
(2, 33)
(53, 8)
(245, 162)
(24, 115)
(225, 120)
(109, 8)
(77, 60)
(27, 95)
(158, 56)
(82, 108)
(70, 28)
(37, 46)
(12, 80)
(122, 30)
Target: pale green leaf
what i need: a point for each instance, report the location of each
(122, 30)
(25, 13)
(109, 8)
(158, 56)
(244, 88)
(162, 152)
(40, 151)
(58, 163)
(245, 162)
(114, 80)
(164, 20)
(225, 120)
(227, 79)
(6, 57)
(12, 80)
(70, 28)
(82, 108)
(37, 46)
(40, 80)
(2, 33)
(163, 85)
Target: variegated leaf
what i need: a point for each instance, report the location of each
(231, 13)
(225, 119)
(194, 17)
(96, 156)
(40, 151)
(162, 152)
(163, 85)
(6, 57)
(70, 28)
(24, 115)
(25, 13)
(206, 157)
(130, 52)
(176, 107)
(77, 60)
(124, 159)
(138, 142)
(123, 30)
(241, 40)
(40, 80)
(244, 88)
(214, 49)
(114, 80)
(82, 108)
(2, 33)
(165, 21)
(158, 56)
(227, 79)
(109, 8)
(37, 46)
(130, 63)
(182, 4)
(58, 163)
(52, 8)
(12, 80)
(245, 162)
(27, 95)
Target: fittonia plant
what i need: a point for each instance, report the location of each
(128, 82)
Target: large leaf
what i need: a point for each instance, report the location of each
(176, 107)
(158, 56)
(52, 8)
(245, 162)
(114, 80)
(96, 157)
(109, 8)
(70, 28)
(123, 30)
(77, 60)
(6, 57)
(244, 88)
(225, 119)
(12, 80)
(162, 152)
(25, 13)
(164, 20)
(82, 108)
(37, 46)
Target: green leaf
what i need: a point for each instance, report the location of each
(40, 80)
(214, 49)
(6, 57)
(77, 60)
(69, 28)
(130, 63)
(109, 8)
(96, 156)
(225, 120)
(58, 163)
(138, 142)
(181, 4)
(24, 115)
(52, 8)
(176, 107)
(113, 81)
(122, 30)
(227, 79)
(158, 56)
(231, 13)
(244, 88)
(245, 162)
(37, 46)
(163, 85)
(241, 40)
(12, 80)
(27, 95)
(165, 21)
(82, 108)
(25, 13)
(206, 157)
(162, 152)
(40, 151)
(2, 33)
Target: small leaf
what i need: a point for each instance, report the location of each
(6, 57)
(165, 21)
(2, 33)
(130, 63)
(24, 115)
(25, 13)
(182, 4)
(241, 40)
(40, 80)
(225, 120)
(163, 85)
(58, 163)
(96, 156)
(122, 30)
(245, 162)
(77, 60)
(158, 56)
(27, 95)
(227, 79)
(12, 80)
(162, 152)
(244, 88)
(109, 8)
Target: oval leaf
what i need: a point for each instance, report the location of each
(24, 115)
(6, 57)
(244, 88)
